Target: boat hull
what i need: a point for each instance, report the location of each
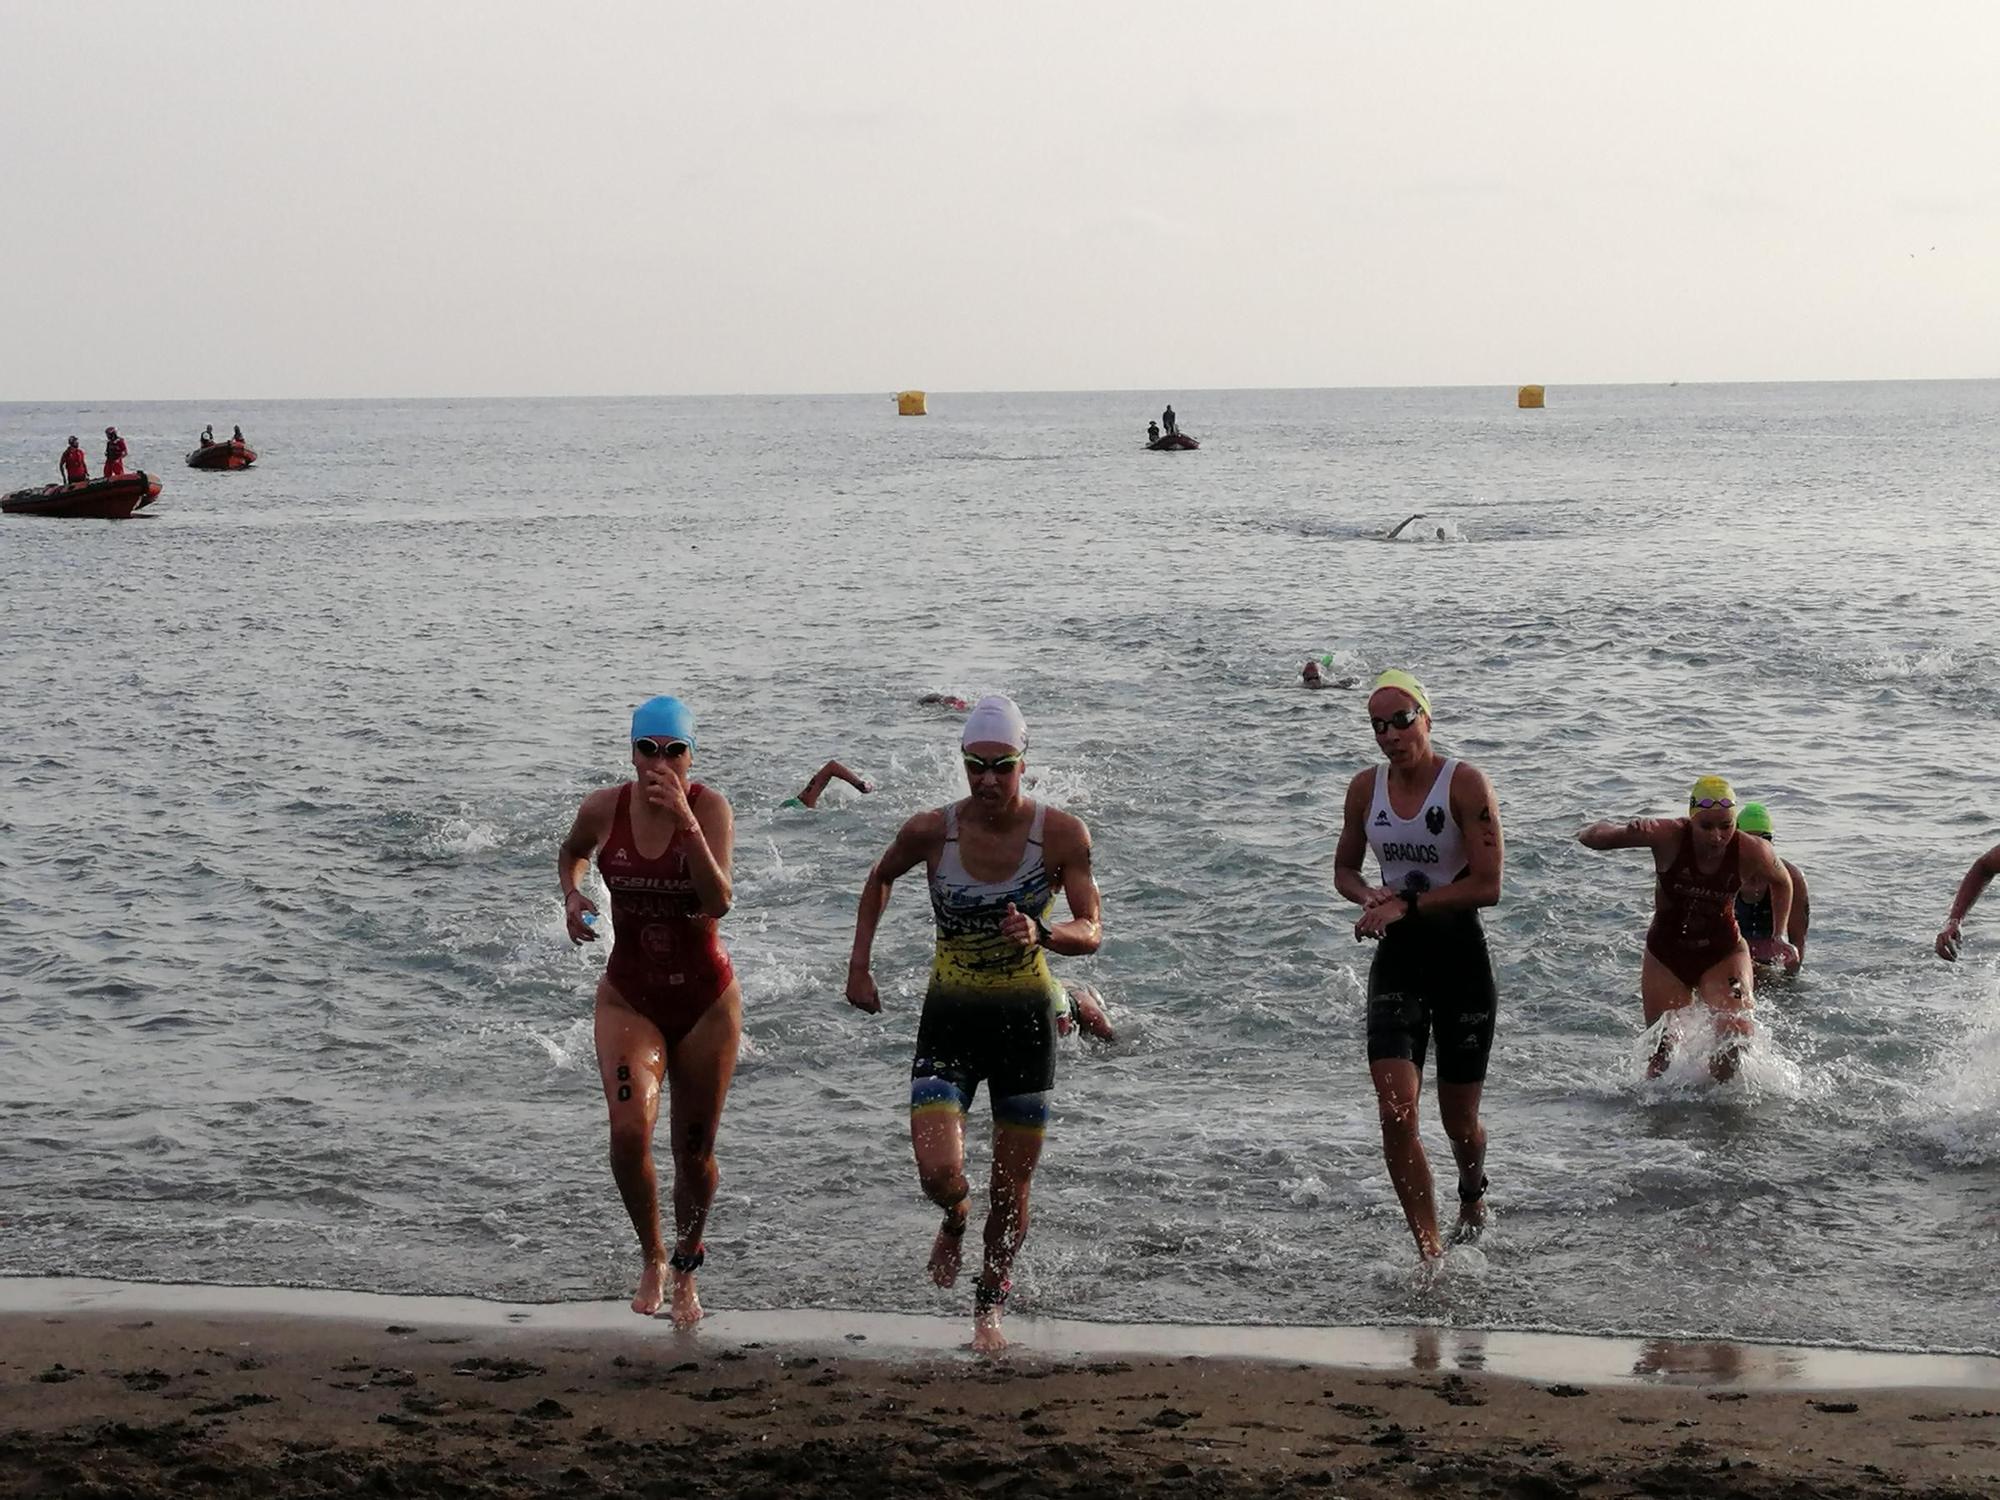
(1173, 442)
(229, 455)
(95, 499)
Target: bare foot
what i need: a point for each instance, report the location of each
(986, 1335)
(687, 1306)
(1471, 1222)
(652, 1289)
(946, 1248)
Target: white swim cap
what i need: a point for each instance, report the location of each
(995, 720)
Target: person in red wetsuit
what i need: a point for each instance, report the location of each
(114, 453)
(668, 1008)
(75, 467)
(1694, 947)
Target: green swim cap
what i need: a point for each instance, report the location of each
(1754, 817)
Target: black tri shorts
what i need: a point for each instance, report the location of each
(1432, 976)
(1007, 1043)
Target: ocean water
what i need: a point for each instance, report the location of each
(285, 998)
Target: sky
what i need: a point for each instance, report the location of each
(300, 199)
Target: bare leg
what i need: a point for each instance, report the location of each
(937, 1136)
(699, 1069)
(1398, 1085)
(1728, 990)
(1016, 1150)
(631, 1062)
(1459, 1104)
(1660, 991)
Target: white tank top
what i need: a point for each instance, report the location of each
(1420, 853)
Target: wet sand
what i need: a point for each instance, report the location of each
(116, 1390)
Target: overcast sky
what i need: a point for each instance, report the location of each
(289, 198)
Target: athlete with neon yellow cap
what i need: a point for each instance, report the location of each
(1754, 916)
(1434, 827)
(1694, 947)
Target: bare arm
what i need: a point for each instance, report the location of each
(1976, 880)
(1353, 846)
(711, 854)
(1764, 860)
(1801, 911)
(1638, 833)
(911, 846)
(1083, 930)
(1478, 813)
(593, 822)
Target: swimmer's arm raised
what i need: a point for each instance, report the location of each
(1636, 833)
(711, 853)
(1084, 930)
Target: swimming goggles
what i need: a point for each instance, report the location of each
(650, 749)
(1401, 719)
(1000, 765)
(1707, 802)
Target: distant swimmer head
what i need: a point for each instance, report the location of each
(663, 722)
(111, 432)
(1755, 818)
(995, 720)
(1712, 810)
(1312, 675)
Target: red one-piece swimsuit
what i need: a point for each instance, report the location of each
(667, 959)
(1694, 919)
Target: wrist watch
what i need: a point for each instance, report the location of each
(1409, 903)
(1041, 931)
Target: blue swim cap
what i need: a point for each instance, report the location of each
(663, 719)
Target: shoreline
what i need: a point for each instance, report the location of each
(1599, 1360)
(146, 1391)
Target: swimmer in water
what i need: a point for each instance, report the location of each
(810, 794)
(1694, 947)
(1082, 1009)
(668, 1008)
(944, 700)
(994, 862)
(1434, 827)
(1311, 676)
(1753, 901)
(1976, 880)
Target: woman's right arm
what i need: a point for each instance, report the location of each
(1637, 833)
(593, 822)
(911, 846)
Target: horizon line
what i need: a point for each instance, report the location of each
(99, 401)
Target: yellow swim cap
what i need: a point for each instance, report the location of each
(1713, 790)
(1403, 682)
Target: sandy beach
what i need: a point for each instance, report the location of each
(97, 1400)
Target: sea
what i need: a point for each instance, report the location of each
(285, 997)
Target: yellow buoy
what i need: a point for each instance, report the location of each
(909, 403)
(1529, 398)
